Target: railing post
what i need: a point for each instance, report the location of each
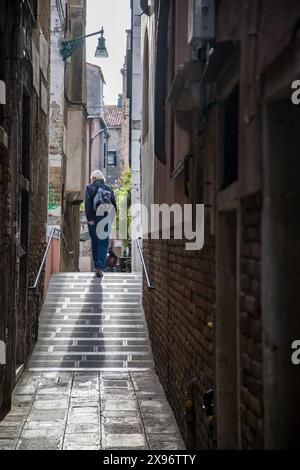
(150, 285)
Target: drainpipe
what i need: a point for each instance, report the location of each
(190, 416)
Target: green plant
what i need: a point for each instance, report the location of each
(123, 190)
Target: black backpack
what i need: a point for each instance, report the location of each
(102, 197)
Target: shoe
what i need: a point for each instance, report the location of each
(99, 273)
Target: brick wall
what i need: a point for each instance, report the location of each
(4, 251)
(251, 325)
(32, 184)
(178, 312)
(38, 197)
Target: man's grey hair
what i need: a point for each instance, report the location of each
(97, 175)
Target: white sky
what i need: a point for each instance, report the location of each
(114, 16)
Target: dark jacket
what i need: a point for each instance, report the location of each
(90, 193)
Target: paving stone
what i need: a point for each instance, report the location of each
(90, 441)
(39, 443)
(122, 428)
(13, 420)
(153, 406)
(122, 414)
(82, 428)
(85, 409)
(124, 405)
(160, 423)
(20, 410)
(57, 381)
(147, 386)
(83, 418)
(85, 379)
(22, 399)
(9, 432)
(24, 389)
(47, 415)
(85, 401)
(44, 428)
(165, 442)
(85, 392)
(107, 376)
(117, 394)
(54, 390)
(62, 376)
(48, 432)
(124, 441)
(54, 404)
(124, 384)
(88, 385)
(86, 382)
(30, 378)
(8, 444)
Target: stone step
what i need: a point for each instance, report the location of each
(44, 367)
(107, 275)
(92, 316)
(95, 320)
(92, 335)
(113, 348)
(92, 296)
(94, 289)
(92, 356)
(69, 364)
(106, 303)
(97, 327)
(107, 341)
(98, 310)
(91, 324)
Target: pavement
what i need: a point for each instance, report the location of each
(91, 382)
(90, 411)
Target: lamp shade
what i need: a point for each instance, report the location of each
(101, 51)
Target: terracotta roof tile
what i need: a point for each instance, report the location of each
(113, 116)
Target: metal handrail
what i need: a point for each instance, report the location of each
(54, 232)
(150, 285)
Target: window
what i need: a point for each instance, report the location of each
(231, 137)
(112, 158)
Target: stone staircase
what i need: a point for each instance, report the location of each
(92, 324)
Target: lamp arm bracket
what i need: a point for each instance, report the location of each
(68, 47)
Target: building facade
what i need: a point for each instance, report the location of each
(126, 104)
(68, 147)
(114, 164)
(97, 129)
(135, 93)
(219, 128)
(24, 110)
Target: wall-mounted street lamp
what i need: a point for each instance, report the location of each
(68, 47)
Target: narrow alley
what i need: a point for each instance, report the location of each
(90, 384)
(149, 229)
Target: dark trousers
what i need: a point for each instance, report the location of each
(99, 246)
